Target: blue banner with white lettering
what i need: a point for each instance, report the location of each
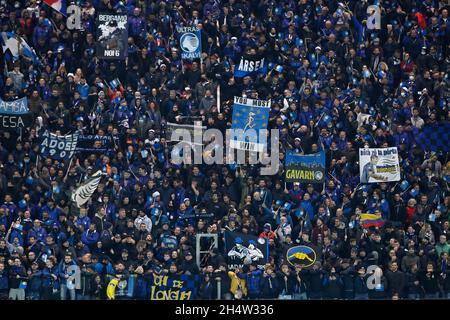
(250, 66)
(190, 42)
(250, 119)
(58, 147)
(14, 114)
(308, 168)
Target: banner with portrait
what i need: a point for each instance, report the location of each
(379, 165)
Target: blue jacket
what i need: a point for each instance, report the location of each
(63, 269)
(90, 238)
(252, 279)
(4, 280)
(35, 283)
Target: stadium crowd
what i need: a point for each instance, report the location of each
(325, 69)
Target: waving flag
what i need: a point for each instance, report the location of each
(84, 192)
(371, 220)
(17, 46)
(58, 5)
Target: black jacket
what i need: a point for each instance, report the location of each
(396, 281)
(270, 287)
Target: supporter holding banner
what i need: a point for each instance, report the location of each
(190, 42)
(14, 114)
(379, 165)
(95, 143)
(250, 65)
(305, 168)
(242, 249)
(249, 117)
(112, 36)
(58, 147)
(192, 128)
(173, 287)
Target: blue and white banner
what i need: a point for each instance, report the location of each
(308, 168)
(379, 165)
(190, 42)
(58, 147)
(250, 119)
(250, 66)
(14, 114)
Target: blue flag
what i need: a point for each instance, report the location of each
(190, 42)
(17, 46)
(14, 114)
(250, 66)
(435, 138)
(249, 117)
(58, 147)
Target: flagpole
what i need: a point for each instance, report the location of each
(218, 98)
(68, 168)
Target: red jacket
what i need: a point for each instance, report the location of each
(410, 212)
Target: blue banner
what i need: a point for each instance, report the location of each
(190, 42)
(58, 147)
(434, 138)
(250, 116)
(250, 66)
(14, 114)
(305, 168)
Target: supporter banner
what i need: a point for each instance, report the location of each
(83, 193)
(58, 147)
(92, 143)
(305, 168)
(119, 288)
(249, 66)
(171, 127)
(112, 36)
(249, 116)
(303, 255)
(173, 287)
(190, 42)
(14, 114)
(243, 249)
(379, 165)
(435, 138)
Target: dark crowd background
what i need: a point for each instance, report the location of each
(324, 69)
